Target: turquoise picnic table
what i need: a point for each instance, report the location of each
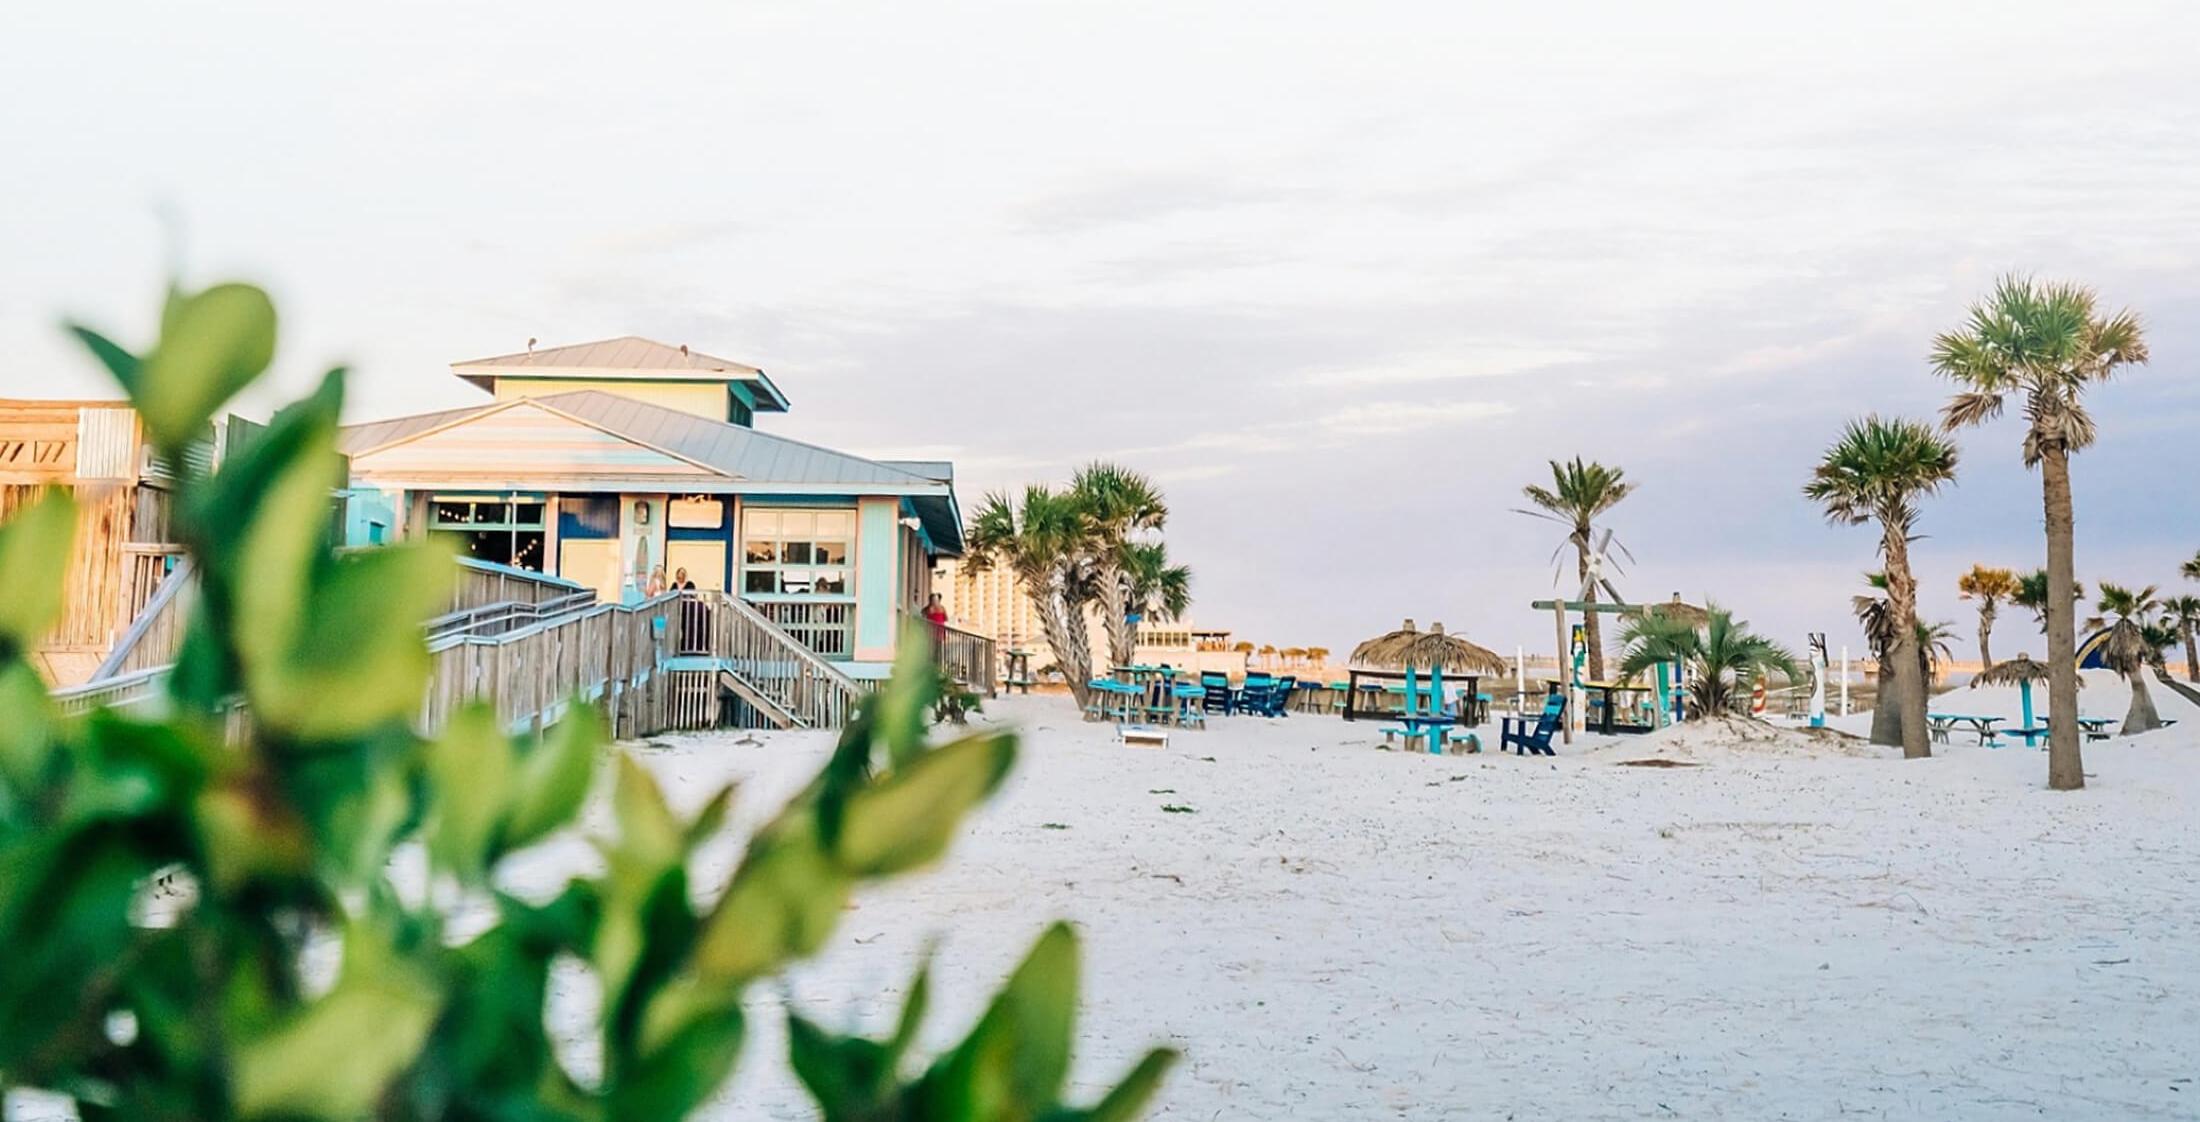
(1433, 727)
(1943, 723)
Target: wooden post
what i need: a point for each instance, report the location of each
(1565, 663)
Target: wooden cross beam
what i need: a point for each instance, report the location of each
(1588, 606)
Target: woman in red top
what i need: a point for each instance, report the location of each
(935, 614)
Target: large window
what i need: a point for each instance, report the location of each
(503, 529)
(796, 552)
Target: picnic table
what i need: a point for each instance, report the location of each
(2096, 728)
(1436, 727)
(1942, 723)
(1609, 696)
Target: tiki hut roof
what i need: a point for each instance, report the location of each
(1432, 648)
(1674, 609)
(2019, 669)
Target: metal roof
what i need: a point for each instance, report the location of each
(628, 356)
(730, 449)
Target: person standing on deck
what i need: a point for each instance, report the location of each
(935, 615)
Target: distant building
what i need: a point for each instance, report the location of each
(97, 451)
(991, 602)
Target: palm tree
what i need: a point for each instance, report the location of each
(1047, 540)
(2129, 651)
(2047, 342)
(1267, 654)
(1723, 657)
(1990, 587)
(1878, 470)
(1122, 505)
(1159, 591)
(1877, 621)
(1934, 646)
(2183, 613)
(2191, 569)
(1579, 494)
(1317, 657)
(2032, 595)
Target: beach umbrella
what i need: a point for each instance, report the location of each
(2021, 672)
(1674, 609)
(1410, 649)
(1407, 647)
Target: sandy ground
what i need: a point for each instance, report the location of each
(1335, 931)
(1783, 927)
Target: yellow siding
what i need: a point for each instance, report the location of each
(704, 399)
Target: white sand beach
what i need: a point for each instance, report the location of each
(1333, 931)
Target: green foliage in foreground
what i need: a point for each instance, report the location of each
(308, 920)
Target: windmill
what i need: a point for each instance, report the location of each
(1599, 558)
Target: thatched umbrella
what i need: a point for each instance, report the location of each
(1674, 609)
(1407, 648)
(2020, 672)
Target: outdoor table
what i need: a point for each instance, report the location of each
(1435, 726)
(2096, 728)
(1608, 693)
(1942, 723)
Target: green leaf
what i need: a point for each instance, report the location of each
(334, 1058)
(783, 902)
(212, 344)
(907, 819)
(28, 726)
(282, 527)
(708, 820)
(554, 778)
(362, 659)
(674, 1079)
(469, 768)
(1023, 1042)
(906, 703)
(649, 834)
(34, 562)
(849, 1076)
(1129, 1098)
(125, 366)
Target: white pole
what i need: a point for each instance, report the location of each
(1844, 681)
(1520, 676)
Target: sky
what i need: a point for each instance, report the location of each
(1342, 277)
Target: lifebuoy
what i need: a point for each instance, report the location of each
(1757, 699)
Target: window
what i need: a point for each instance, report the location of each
(501, 529)
(796, 552)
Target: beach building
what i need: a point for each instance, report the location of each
(622, 464)
(97, 451)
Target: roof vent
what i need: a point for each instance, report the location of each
(683, 350)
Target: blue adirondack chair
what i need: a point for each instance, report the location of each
(1524, 738)
(1218, 693)
(1279, 697)
(1254, 694)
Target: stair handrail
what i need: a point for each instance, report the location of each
(165, 598)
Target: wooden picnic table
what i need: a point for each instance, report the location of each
(1942, 723)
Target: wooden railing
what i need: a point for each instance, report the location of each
(156, 628)
(825, 627)
(145, 567)
(969, 657)
(480, 583)
(768, 659)
(531, 660)
(612, 654)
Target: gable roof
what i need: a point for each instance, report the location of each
(731, 450)
(629, 357)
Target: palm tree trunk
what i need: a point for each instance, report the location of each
(2192, 655)
(2065, 763)
(1908, 658)
(1985, 636)
(1070, 656)
(1079, 637)
(1115, 603)
(1887, 706)
(2142, 716)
